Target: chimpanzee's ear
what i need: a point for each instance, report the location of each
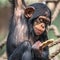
(28, 12)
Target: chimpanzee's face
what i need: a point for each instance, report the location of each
(40, 25)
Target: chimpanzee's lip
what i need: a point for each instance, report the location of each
(38, 30)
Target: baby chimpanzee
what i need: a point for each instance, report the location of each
(38, 17)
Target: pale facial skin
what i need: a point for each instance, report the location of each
(40, 25)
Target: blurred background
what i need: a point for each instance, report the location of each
(53, 30)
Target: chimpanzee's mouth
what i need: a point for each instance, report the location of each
(38, 31)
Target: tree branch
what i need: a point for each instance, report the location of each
(54, 43)
(55, 30)
(54, 53)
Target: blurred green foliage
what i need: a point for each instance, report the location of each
(57, 24)
(2, 50)
(3, 3)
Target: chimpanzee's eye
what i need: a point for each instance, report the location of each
(41, 20)
(46, 22)
(38, 20)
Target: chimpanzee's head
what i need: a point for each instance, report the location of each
(38, 16)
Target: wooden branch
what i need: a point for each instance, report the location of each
(55, 30)
(3, 42)
(54, 43)
(54, 53)
(46, 43)
(57, 10)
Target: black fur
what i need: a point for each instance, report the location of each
(17, 50)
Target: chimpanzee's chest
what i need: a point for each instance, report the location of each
(19, 34)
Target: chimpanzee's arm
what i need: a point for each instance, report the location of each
(23, 51)
(45, 53)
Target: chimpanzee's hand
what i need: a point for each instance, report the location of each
(36, 47)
